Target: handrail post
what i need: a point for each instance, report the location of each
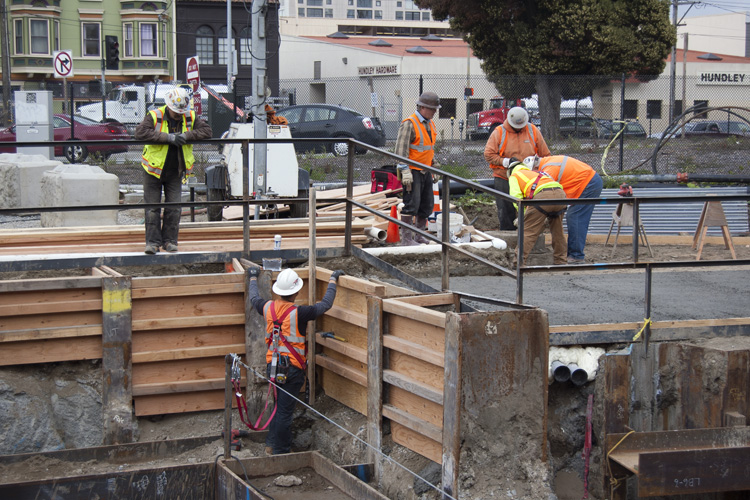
(519, 257)
(636, 228)
(445, 208)
(246, 199)
(349, 196)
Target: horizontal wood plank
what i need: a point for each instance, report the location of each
(396, 307)
(195, 321)
(417, 443)
(160, 404)
(345, 348)
(414, 349)
(409, 385)
(179, 386)
(341, 369)
(348, 316)
(50, 307)
(414, 423)
(187, 353)
(199, 289)
(50, 351)
(51, 333)
(429, 300)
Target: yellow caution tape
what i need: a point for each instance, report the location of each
(646, 322)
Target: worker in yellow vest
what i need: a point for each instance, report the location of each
(167, 163)
(528, 184)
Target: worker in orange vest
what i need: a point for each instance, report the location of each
(516, 138)
(528, 184)
(578, 180)
(286, 359)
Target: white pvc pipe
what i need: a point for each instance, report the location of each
(424, 249)
(374, 232)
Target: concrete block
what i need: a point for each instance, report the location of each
(21, 179)
(133, 198)
(79, 185)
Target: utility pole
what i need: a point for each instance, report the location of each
(229, 45)
(673, 65)
(4, 44)
(258, 90)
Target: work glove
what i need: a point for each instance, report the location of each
(177, 139)
(254, 272)
(507, 162)
(515, 222)
(335, 275)
(406, 177)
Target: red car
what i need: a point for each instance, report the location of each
(85, 130)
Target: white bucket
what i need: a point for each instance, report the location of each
(454, 223)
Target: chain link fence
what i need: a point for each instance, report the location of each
(706, 131)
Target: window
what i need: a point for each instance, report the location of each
(653, 109)
(301, 1)
(700, 108)
(204, 44)
(409, 4)
(56, 35)
(351, 2)
(314, 12)
(316, 114)
(364, 14)
(127, 40)
(148, 40)
(399, 5)
(246, 42)
(222, 38)
(164, 40)
(301, 12)
(314, 3)
(329, 12)
(630, 109)
(447, 108)
(329, 2)
(364, 4)
(677, 108)
(425, 16)
(316, 70)
(399, 16)
(91, 40)
(18, 29)
(350, 13)
(377, 3)
(413, 16)
(378, 14)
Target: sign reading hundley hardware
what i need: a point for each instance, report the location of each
(723, 78)
(388, 69)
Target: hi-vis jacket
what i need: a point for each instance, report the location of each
(504, 142)
(525, 183)
(574, 175)
(154, 155)
(288, 330)
(422, 148)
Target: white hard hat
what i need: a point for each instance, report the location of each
(531, 161)
(178, 100)
(518, 117)
(287, 283)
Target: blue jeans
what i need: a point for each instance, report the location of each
(579, 216)
(279, 436)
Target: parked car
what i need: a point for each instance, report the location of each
(330, 121)
(85, 130)
(718, 128)
(609, 128)
(581, 126)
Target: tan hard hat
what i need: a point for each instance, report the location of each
(429, 100)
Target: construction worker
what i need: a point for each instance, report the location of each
(167, 163)
(272, 119)
(516, 138)
(416, 141)
(578, 180)
(528, 184)
(286, 357)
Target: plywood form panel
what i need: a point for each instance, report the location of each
(429, 336)
(25, 298)
(171, 281)
(56, 320)
(415, 405)
(180, 403)
(345, 391)
(181, 338)
(221, 320)
(50, 333)
(417, 442)
(198, 289)
(346, 298)
(187, 307)
(170, 371)
(50, 350)
(354, 335)
(416, 369)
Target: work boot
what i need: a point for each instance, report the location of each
(170, 247)
(151, 249)
(407, 235)
(269, 450)
(421, 224)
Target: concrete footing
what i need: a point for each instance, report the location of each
(21, 179)
(79, 185)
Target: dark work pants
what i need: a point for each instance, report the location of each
(279, 436)
(506, 212)
(420, 200)
(160, 232)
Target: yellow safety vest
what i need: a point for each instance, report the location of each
(154, 155)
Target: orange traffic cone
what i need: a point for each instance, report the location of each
(393, 236)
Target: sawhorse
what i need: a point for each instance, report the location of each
(623, 216)
(712, 215)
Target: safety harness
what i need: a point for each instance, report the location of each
(273, 341)
(532, 192)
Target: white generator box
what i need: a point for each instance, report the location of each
(281, 161)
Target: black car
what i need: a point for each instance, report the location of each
(609, 128)
(331, 121)
(581, 126)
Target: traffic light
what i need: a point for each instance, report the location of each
(112, 52)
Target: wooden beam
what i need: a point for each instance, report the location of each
(180, 291)
(452, 388)
(434, 318)
(50, 307)
(414, 423)
(50, 351)
(187, 353)
(179, 386)
(417, 442)
(189, 322)
(345, 348)
(348, 316)
(432, 299)
(160, 404)
(414, 349)
(374, 382)
(341, 369)
(50, 284)
(413, 387)
(197, 279)
(50, 333)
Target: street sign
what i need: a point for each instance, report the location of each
(374, 99)
(194, 79)
(63, 63)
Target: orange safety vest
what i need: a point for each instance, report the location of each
(154, 155)
(288, 330)
(530, 181)
(574, 175)
(421, 149)
(531, 130)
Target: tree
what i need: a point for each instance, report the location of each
(549, 39)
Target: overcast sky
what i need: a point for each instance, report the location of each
(713, 7)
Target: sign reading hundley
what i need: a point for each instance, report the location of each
(389, 69)
(723, 78)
